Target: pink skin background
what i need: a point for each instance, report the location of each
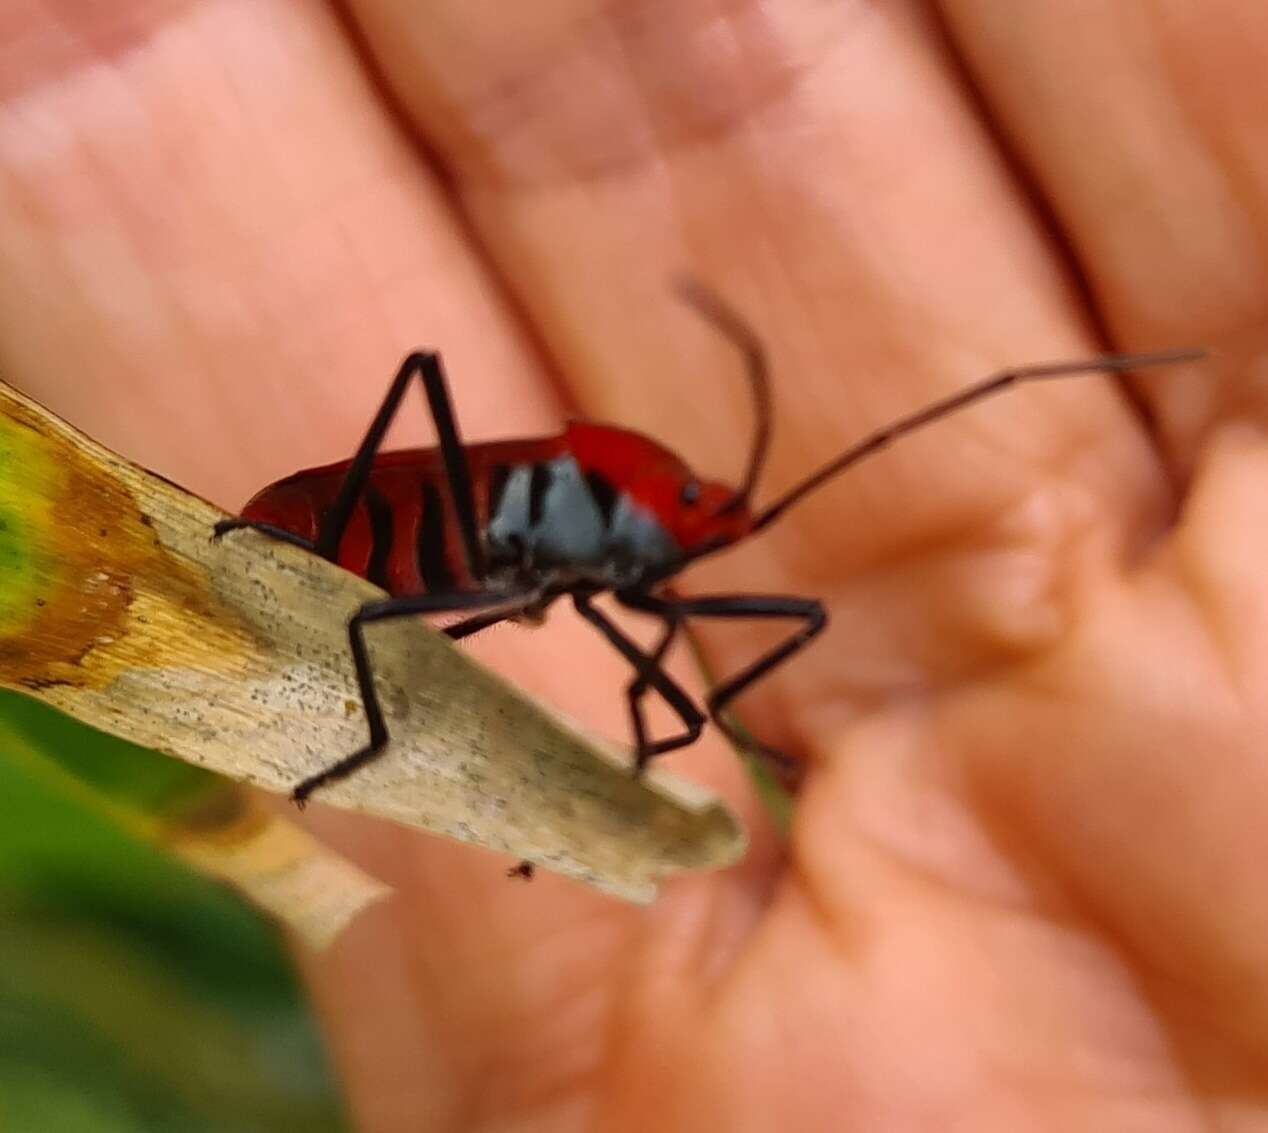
(1025, 888)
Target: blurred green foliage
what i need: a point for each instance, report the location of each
(135, 995)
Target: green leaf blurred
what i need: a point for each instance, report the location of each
(135, 995)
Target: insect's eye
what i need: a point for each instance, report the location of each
(690, 493)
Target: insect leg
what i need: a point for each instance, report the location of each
(269, 529)
(649, 674)
(470, 626)
(383, 611)
(809, 611)
(455, 457)
(335, 522)
(638, 688)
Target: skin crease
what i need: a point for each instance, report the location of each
(1024, 888)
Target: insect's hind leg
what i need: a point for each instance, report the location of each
(334, 524)
(383, 611)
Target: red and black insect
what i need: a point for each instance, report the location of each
(504, 529)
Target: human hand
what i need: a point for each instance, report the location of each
(1023, 888)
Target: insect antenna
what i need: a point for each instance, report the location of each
(988, 387)
(741, 335)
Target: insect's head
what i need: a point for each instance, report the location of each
(704, 514)
(655, 505)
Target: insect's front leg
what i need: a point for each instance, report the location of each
(809, 611)
(641, 685)
(648, 675)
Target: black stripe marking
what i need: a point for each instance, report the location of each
(604, 493)
(382, 531)
(498, 476)
(322, 517)
(537, 486)
(433, 561)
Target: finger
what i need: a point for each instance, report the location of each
(1142, 123)
(1154, 706)
(174, 216)
(823, 166)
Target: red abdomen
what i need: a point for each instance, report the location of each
(403, 534)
